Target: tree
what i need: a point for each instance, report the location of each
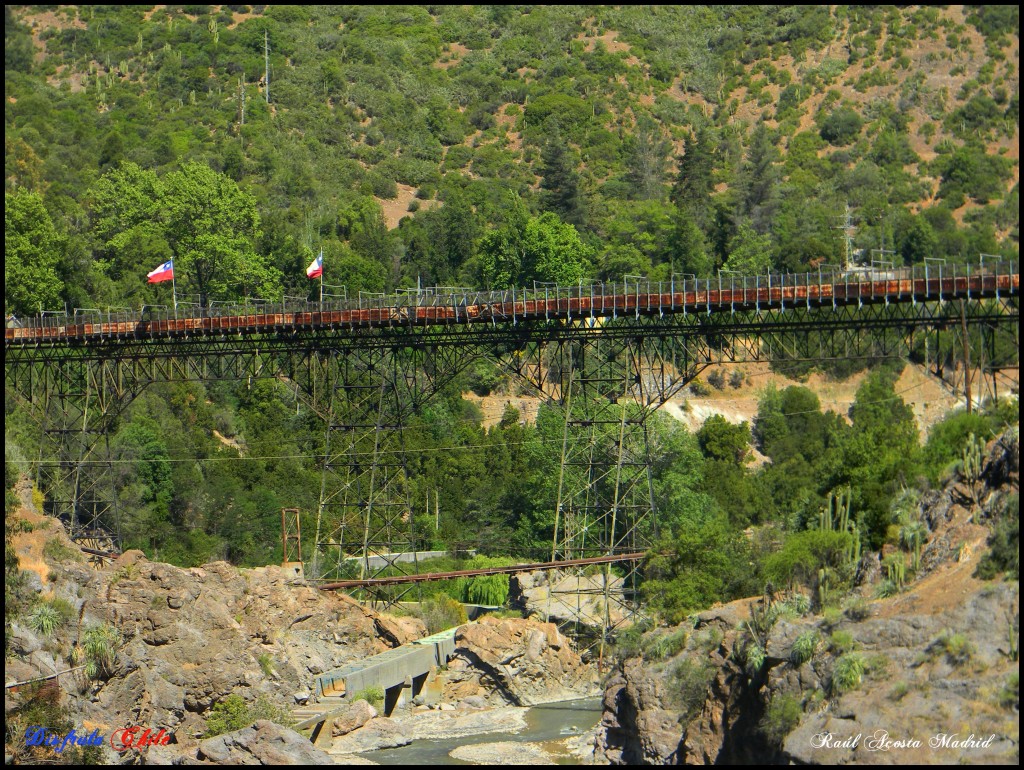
(560, 182)
(721, 440)
(841, 126)
(758, 178)
(917, 241)
(554, 251)
(694, 182)
(749, 253)
(707, 562)
(688, 250)
(881, 451)
(534, 249)
(502, 251)
(646, 158)
(197, 217)
(32, 251)
(211, 226)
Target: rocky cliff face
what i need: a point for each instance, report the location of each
(928, 675)
(188, 638)
(514, 661)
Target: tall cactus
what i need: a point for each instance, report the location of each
(896, 570)
(824, 581)
(971, 464)
(835, 517)
(971, 456)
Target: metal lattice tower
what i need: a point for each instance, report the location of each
(606, 387)
(606, 359)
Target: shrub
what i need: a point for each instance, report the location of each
(100, 643)
(885, 589)
(629, 641)
(1009, 696)
(44, 619)
(373, 695)
(858, 609)
(667, 645)
(55, 551)
(266, 663)
(699, 388)
(39, 704)
(781, 716)
(957, 647)
(441, 612)
(488, 590)
(1004, 544)
(233, 713)
(841, 127)
(755, 656)
(804, 647)
(848, 673)
(690, 681)
(841, 642)
(798, 603)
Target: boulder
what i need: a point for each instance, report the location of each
(358, 714)
(516, 661)
(263, 743)
(379, 733)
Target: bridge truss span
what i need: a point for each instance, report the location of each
(605, 357)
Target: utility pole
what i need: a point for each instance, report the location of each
(241, 100)
(266, 64)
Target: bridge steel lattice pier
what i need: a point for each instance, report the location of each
(606, 356)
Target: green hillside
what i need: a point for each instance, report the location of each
(672, 138)
(493, 145)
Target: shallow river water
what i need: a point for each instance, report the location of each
(545, 723)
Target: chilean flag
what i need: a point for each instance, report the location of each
(316, 267)
(163, 273)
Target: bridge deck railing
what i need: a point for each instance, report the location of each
(681, 293)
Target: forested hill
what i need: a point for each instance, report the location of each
(497, 145)
(489, 145)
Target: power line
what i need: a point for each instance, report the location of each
(422, 450)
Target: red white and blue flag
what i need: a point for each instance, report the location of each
(316, 267)
(163, 273)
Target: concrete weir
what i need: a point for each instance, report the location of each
(403, 673)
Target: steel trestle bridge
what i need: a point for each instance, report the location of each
(608, 355)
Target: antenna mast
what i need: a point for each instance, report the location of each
(846, 227)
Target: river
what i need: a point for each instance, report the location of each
(545, 724)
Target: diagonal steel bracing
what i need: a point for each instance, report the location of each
(606, 375)
(366, 398)
(606, 386)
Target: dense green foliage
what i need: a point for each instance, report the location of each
(233, 713)
(523, 143)
(641, 140)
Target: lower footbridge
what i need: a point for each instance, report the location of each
(403, 673)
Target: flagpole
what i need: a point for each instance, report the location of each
(174, 291)
(321, 277)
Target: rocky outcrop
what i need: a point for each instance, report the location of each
(188, 638)
(516, 661)
(379, 733)
(925, 676)
(568, 597)
(264, 743)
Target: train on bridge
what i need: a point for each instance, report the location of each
(726, 293)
